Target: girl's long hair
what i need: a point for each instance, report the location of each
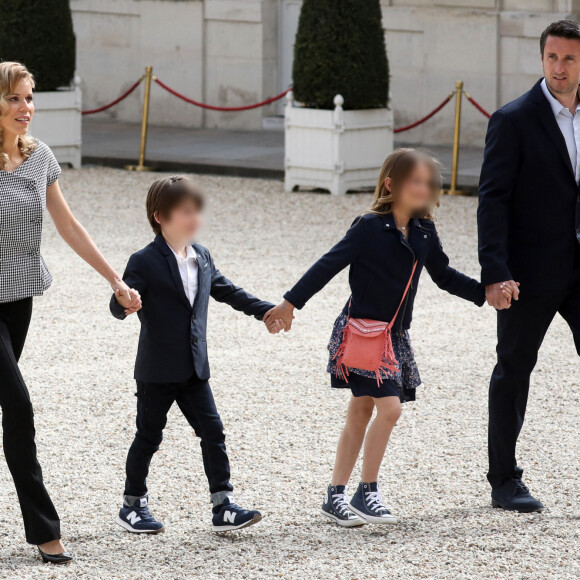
(11, 73)
(399, 166)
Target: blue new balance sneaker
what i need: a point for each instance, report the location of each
(136, 517)
(336, 508)
(229, 516)
(367, 503)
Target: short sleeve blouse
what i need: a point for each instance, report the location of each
(23, 272)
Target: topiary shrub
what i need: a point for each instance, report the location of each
(40, 35)
(340, 49)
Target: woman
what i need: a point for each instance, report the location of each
(29, 185)
(386, 249)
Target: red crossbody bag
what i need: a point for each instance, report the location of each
(367, 344)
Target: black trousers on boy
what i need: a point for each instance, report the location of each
(521, 330)
(195, 399)
(41, 522)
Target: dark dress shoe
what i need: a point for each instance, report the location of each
(516, 497)
(63, 558)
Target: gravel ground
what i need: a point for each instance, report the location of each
(281, 417)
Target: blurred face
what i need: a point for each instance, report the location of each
(414, 196)
(16, 119)
(561, 64)
(183, 222)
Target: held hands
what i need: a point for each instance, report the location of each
(500, 295)
(280, 317)
(127, 297)
(276, 327)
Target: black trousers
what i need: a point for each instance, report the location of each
(197, 404)
(521, 330)
(41, 521)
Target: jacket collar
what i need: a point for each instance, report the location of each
(548, 120)
(390, 224)
(170, 257)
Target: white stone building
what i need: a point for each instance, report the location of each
(234, 52)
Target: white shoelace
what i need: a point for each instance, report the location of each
(340, 502)
(374, 501)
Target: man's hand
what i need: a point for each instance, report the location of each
(276, 326)
(500, 294)
(132, 303)
(284, 312)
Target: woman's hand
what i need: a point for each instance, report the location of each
(284, 312)
(132, 303)
(121, 289)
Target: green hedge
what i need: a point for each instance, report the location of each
(39, 34)
(340, 49)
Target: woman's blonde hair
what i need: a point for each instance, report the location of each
(11, 73)
(398, 166)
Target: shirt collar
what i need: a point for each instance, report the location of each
(555, 104)
(190, 253)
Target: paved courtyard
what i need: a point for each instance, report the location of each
(282, 420)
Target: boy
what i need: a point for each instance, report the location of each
(176, 279)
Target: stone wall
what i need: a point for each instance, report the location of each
(223, 52)
(227, 52)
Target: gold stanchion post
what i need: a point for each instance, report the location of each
(144, 122)
(456, 135)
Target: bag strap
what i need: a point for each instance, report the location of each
(402, 299)
(404, 295)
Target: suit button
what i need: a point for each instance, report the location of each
(193, 317)
(194, 340)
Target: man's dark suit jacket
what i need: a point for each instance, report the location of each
(529, 205)
(172, 343)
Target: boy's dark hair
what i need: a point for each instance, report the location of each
(562, 29)
(166, 194)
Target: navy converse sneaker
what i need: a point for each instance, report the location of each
(336, 508)
(229, 516)
(136, 517)
(368, 504)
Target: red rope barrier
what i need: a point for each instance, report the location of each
(213, 107)
(476, 104)
(118, 100)
(426, 117)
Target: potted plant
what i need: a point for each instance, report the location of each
(40, 35)
(338, 128)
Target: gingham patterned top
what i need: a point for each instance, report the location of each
(23, 272)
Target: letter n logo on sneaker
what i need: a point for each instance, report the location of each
(229, 517)
(133, 518)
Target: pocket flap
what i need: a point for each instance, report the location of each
(366, 327)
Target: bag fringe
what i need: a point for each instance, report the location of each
(388, 362)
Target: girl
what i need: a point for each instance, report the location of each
(386, 249)
(29, 185)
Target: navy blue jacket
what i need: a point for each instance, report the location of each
(529, 205)
(172, 343)
(381, 261)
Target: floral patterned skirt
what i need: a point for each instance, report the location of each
(402, 383)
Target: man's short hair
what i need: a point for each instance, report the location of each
(166, 194)
(561, 29)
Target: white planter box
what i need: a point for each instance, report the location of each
(336, 150)
(57, 122)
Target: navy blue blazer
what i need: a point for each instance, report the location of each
(172, 342)
(381, 261)
(529, 204)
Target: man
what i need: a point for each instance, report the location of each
(529, 231)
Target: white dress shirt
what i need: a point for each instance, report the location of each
(569, 124)
(188, 272)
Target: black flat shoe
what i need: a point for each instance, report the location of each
(516, 497)
(63, 558)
